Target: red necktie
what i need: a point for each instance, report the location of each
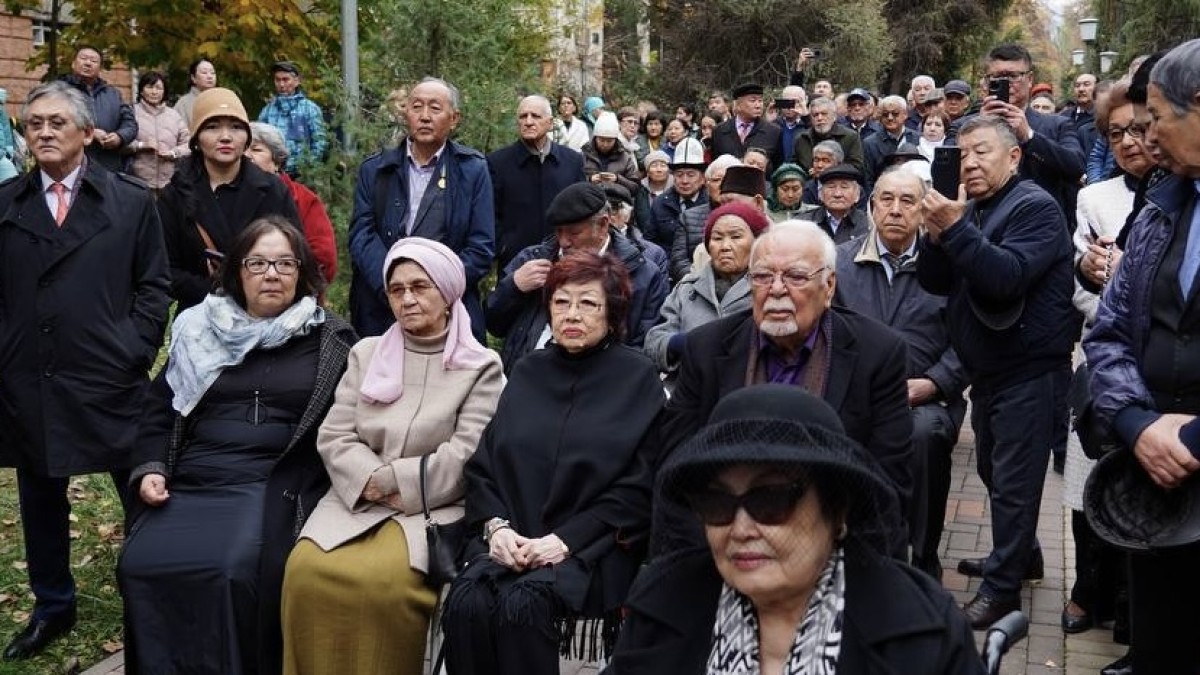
(60, 213)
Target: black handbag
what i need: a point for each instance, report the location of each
(445, 542)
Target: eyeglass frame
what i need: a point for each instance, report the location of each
(271, 262)
(1012, 77)
(1136, 130)
(795, 283)
(584, 306)
(718, 508)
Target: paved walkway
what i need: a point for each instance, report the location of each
(968, 534)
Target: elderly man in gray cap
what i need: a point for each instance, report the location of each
(582, 220)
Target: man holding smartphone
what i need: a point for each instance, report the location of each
(1051, 154)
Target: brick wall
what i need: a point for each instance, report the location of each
(16, 46)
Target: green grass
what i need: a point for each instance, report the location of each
(96, 536)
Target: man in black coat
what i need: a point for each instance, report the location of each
(747, 128)
(580, 216)
(1004, 261)
(823, 113)
(793, 335)
(83, 307)
(840, 195)
(892, 112)
(526, 176)
(877, 277)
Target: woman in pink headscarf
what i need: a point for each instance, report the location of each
(355, 598)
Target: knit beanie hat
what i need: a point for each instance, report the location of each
(606, 126)
(755, 219)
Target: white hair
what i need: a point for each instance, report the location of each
(894, 100)
(543, 102)
(923, 79)
(720, 164)
(800, 229)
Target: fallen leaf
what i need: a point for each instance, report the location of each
(19, 565)
(73, 518)
(83, 562)
(112, 646)
(9, 521)
(71, 666)
(75, 534)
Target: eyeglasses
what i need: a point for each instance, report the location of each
(891, 113)
(1007, 76)
(585, 306)
(285, 266)
(1135, 130)
(791, 278)
(766, 505)
(416, 288)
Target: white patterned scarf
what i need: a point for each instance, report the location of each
(818, 641)
(218, 333)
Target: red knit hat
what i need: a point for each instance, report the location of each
(754, 218)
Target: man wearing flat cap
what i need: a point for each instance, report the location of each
(958, 99)
(840, 194)
(747, 128)
(582, 220)
(299, 119)
(622, 206)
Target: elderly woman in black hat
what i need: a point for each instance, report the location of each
(797, 579)
(214, 194)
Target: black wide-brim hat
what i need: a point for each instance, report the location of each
(1127, 509)
(788, 427)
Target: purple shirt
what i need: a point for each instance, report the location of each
(779, 368)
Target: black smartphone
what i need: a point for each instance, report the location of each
(817, 53)
(946, 171)
(999, 88)
(785, 103)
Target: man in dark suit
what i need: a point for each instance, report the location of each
(877, 277)
(746, 128)
(83, 306)
(792, 335)
(841, 196)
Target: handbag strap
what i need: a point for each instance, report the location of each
(424, 502)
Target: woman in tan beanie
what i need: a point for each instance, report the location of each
(214, 195)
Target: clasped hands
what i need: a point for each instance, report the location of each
(376, 491)
(519, 553)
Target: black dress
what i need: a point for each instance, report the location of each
(189, 571)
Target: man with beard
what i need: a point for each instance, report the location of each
(823, 113)
(793, 335)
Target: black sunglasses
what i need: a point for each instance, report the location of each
(767, 504)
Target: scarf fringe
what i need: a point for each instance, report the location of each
(589, 639)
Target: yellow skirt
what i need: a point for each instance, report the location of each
(359, 608)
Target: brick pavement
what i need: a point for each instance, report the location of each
(1046, 651)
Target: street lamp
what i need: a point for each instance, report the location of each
(1087, 29)
(1106, 61)
(1077, 57)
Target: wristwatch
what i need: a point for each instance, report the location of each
(492, 527)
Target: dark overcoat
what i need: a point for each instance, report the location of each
(82, 313)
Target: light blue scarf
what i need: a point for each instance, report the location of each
(218, 333)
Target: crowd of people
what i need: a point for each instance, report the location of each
(734, 350)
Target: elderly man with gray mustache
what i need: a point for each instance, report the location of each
(794, 335)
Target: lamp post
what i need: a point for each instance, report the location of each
(1077, 57)
(1087, 33)
(1106, 61)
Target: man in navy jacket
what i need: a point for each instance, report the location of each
(427, 186)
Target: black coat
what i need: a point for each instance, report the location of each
(82, 314)
(188, 200)
(867, 386)
(569, 452)
(297, 481)
(523, 188)
(897, 620)
(764, 134)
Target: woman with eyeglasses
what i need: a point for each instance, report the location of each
(228, 466)
(422, 392)
(796, 577)
(558, 492)
(214, 194)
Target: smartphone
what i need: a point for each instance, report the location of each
(817, 53)
(785, 103)
(999, 88)
(946, 171)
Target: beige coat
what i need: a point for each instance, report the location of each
(442, 412)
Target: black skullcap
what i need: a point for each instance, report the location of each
(744, 180)
(576, 203)
(747, 89)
